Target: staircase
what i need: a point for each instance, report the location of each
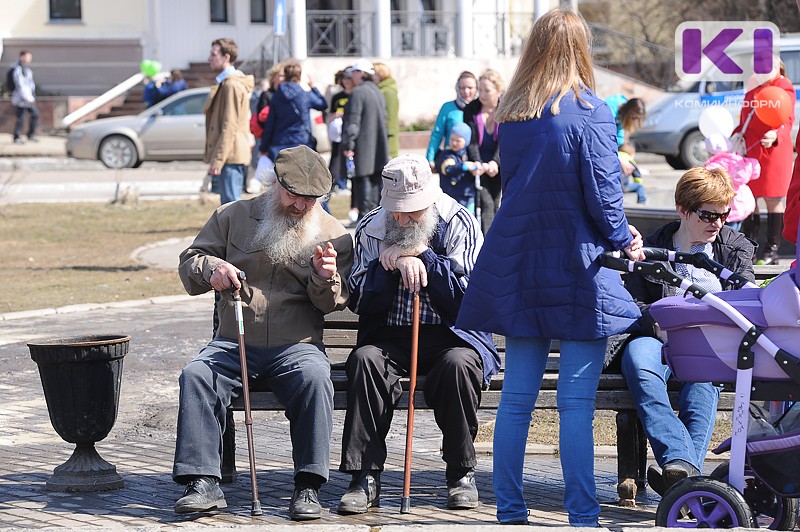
(197, 75)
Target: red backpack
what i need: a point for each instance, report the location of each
(257, 122)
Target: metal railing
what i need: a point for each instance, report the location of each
(423, 33)
(263, 57)
(340, 33)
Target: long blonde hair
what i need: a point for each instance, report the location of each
(556, 59)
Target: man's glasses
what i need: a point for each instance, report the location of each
(711, 216)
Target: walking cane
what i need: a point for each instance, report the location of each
(405, 502)
(248, 418)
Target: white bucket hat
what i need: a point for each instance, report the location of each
(408, 184)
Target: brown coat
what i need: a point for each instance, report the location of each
(282, 304)
(228, 137)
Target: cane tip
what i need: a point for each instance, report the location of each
(405, 505)
(256, 509)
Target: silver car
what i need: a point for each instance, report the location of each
(671, 126)
(170, 130)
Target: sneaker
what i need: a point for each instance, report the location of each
(364, 492)
(201, 495)
(33, 138)
(19, 141)
(462, 494)
(304, 504)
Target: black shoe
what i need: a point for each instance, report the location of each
(462, 494)
(656, 480)
(677, 470)
(304, 505)
(364, 492)
(770, 256)
(201, 495)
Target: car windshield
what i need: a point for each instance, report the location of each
(192, 104)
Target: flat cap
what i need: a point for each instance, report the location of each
(303, 172)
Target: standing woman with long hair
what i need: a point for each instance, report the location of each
(450, 114)
(538, 276)
(479, 114)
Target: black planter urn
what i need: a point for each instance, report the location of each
(81, 377)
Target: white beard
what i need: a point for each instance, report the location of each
(412, 234)
(284, 237)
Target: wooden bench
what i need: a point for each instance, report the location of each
(612, 395)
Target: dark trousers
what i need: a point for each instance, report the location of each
(367, 192)
(454, 373)
(34, 119)
(490, 200)
(300, 376)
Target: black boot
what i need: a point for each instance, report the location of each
(202, 494)
(774, 229)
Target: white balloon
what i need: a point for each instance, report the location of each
(716, 119)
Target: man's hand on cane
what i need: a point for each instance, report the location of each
(413, 272)
(226, 276)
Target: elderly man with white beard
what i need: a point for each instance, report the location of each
(418, 240)
(296, 259)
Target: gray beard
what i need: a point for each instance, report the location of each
(283, 237)
(413, 234)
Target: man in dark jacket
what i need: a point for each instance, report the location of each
(364, 136)
(289, 124)
(680, 441)
(420, 240)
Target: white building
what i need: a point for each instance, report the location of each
(84, 47)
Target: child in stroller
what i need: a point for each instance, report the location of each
(747, 339)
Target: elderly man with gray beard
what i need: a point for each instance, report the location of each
(296, 259)
(419, 240)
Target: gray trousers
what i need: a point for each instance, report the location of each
(300, 376)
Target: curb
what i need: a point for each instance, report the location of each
(84, 307)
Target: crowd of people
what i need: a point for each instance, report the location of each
(528, 270)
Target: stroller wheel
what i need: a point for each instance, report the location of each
(770, 510)
(702, 502)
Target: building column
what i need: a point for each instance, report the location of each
(464, 42)
(298, 44)
(383, 28)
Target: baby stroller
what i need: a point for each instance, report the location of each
(748, 339)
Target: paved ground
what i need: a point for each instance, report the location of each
(166, 333)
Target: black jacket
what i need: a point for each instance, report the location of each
(731, 249)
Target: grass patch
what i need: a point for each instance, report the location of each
(544, 428)
(58, 254)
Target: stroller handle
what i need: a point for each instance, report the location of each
(617, 260)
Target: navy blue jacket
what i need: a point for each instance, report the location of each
(538, 273)
(448, 260)
(289, 124)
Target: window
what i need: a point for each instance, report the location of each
(258, 11)
(65, 9)
(190, 105)
(219, 10)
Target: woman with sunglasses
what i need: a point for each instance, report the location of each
(679, 441)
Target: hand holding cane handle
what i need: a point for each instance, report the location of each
(248, 418)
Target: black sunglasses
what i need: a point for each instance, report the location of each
(711, 216)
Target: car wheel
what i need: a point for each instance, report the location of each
(693, 149)
(118, 151)
(675, 162)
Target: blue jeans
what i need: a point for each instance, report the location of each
(683, 436)
(231, 180)
(633, 186)
(579, 374)
(19, 125)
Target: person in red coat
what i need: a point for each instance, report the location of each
(791, 218)
(772, 146)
